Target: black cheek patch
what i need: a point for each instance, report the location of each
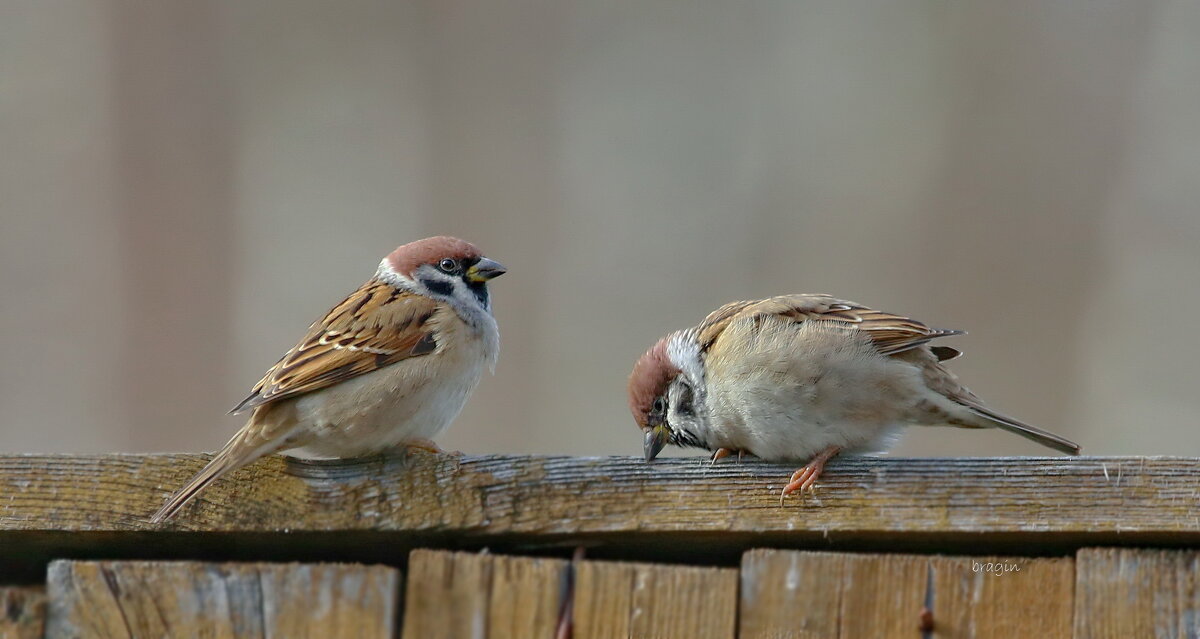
(439, 287)
(685, 401)
(479, 289)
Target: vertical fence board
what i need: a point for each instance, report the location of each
(820, 594)
(452, 595)
(118, 600)
(645, 600)
(817, 594)
(603, 600)
(22, 612)
(446, 595)
(526, 597)
(1017, 597)
(790, 594)
(1125, 592)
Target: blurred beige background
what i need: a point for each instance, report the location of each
(185, 186)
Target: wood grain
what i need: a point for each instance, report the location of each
(527, 597)
(619, 600)
(815, 594)
(22, 612)
(1014, 597)
(452, 595)
(819, 594)
(673, 509)
(603, 600)
(128, 600)
(446, 595)
(1126, 592)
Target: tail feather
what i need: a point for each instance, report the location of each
(236, 454)
(220, 465)
(1033, 433)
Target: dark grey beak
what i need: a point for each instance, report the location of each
(656, 439)
(485, 269)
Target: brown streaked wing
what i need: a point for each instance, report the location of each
(889, 333)
(714, 324)
(376, 326)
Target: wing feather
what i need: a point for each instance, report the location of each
(889, 333)
(376, 326)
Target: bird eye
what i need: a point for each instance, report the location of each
(448, 265)
(659, 405)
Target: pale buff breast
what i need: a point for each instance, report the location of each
(412, 399)
(786, 390)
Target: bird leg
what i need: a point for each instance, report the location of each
(720, 453)
(806, 478)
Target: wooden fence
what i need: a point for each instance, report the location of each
(521, 547)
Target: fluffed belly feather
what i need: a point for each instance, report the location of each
(386, 408)
(821, 389)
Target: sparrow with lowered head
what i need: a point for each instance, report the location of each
(804, 377)
(390, 366)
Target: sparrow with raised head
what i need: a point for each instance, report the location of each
(804, 377)
(389, 367)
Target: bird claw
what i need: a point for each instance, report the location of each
(722, 453)
(806, 478)
(803, 479)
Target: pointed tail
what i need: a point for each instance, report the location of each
(236, 454)
(215, 468)
(1033, 433)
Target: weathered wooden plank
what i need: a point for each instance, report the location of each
(22, 612)
(1126, 592)
(127, 600)
(819, 594)
(603, 600)
(452, 595)
(619, 600)
(446, 595)
(1003, 597)
(526, 598)
(667, 510)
